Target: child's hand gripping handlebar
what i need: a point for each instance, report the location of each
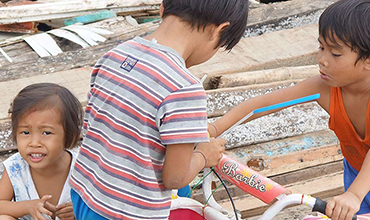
(320, 206)
(283, 201)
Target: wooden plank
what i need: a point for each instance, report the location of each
(92, 17)
(224, 99)
(302, 159)
(8, 150)
(5, 55)
(294, 160)
(49, 17)
(296, 47)
(65, 9)
(13, 40)
(25, 28)
(285, 9)
(275, 154)
(263, 76)
(292, 121)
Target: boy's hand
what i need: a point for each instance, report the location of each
(38, 207)
(65, 211)
(212, 150)
(343, 207)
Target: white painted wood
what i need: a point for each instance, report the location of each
(63, 9)
(5, 55)
(131, 20)
(90, 37)
(94, 29)
(69, 36)
(47, 42)
(39, 49)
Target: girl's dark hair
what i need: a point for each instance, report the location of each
(201, 13)
(349, 20)
(42, 96)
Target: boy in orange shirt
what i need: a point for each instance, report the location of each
(344, 85)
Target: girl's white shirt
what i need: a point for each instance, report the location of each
(24, 189)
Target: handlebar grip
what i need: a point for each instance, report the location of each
(320, 206)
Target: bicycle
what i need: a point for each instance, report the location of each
(249, 181)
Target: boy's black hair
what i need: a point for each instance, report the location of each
(43, 96)
(201, 13)
(349, 20)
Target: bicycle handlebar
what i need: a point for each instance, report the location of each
(283, 201)
(320, 206)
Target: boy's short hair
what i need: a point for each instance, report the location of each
(201, 13)
(43, 96)
(349, 20)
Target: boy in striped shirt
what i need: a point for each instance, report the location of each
(146, 111)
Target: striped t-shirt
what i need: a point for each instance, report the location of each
(142, 98)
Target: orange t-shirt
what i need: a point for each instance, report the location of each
(353, 147)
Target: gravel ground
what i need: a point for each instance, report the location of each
(291, 213)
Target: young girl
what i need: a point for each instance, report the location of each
(46, 120)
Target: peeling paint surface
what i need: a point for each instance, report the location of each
(286, 23)
(219, 103)
(293, 121)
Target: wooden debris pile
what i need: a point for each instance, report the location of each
(54, 27)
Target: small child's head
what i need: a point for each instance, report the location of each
(349, 22)
(45, 96)
(201, 13)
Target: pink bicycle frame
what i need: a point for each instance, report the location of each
(249, 180)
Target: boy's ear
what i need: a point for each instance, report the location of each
(217, 30)
(161, 9)
(367, 64)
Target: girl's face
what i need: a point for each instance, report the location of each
(338, 67)
(40, 138)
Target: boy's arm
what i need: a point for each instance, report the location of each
(307, 87)
(182, 164)
(361, 185)
(347, 204)
(16, 209)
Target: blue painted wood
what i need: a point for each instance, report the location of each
(90, 17)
